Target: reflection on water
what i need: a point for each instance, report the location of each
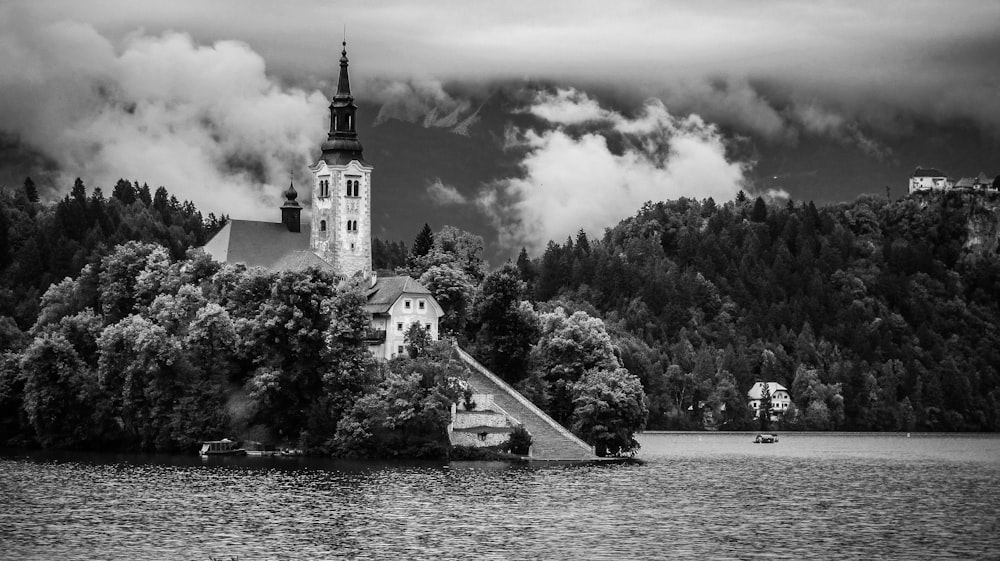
(707, 496)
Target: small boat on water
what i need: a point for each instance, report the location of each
(224, 447)
(765, 439)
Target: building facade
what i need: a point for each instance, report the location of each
(780, 399)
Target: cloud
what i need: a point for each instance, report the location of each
(444, 195)
(205, 121)
(732, 102)
(425, 102)
(776, 194)
(572, 179)
(817, 120)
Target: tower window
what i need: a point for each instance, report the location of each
(322, 225)
(357, 185)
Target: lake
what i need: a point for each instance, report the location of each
(694, 496)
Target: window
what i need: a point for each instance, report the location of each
(421, 305)
(399, 350)
(322, 225)
(357, 188)
(427, 327)
(352, 225)
(348, 188)
(399, 326)
(407, 304)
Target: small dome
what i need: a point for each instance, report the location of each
(291, 194)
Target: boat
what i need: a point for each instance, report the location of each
(765, 439)
(224, 447)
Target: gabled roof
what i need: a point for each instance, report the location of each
(965, 182)
(387, 290)
(927, 172)
(257, 244)
(758, 389)
(981, 179)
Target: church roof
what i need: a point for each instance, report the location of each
(300, 261)
(387, 290)
(261, 244)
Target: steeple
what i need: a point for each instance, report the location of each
(342, 143)
(291, 211)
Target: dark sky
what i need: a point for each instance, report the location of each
(521, 121)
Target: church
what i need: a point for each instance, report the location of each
(337, 237)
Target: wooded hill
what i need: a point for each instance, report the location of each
(876, 315)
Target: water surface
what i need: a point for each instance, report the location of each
(696, 495)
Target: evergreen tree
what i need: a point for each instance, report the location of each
(30, 191)
(765, 407)
(423, 243)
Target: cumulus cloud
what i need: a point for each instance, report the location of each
(442, 194)
(205, 121)
(572, 179)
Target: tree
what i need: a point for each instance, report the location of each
(30, 191)
(609, 408)
(423, 242)
(416, 339)
(509, 326)
(567, 348)
(765, 407)
(59, 392)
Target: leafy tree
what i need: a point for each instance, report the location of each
(509, 327)
(567, 348)
(416, 339)
(609, 408)
(58, 392)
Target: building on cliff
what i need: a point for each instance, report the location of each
(337, 237)
(928, 179)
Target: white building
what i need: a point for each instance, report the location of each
(338, 235)
(927, 179)
(780, 399)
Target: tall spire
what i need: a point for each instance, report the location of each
(342, 144)
(344, 84)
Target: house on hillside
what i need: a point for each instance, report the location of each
(395, 303)
(984, 183)
(928, 179)
(337, 237)
(966, 183)
(780, 399)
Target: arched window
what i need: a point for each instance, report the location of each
(322, 225)
(348, 188)
(356, 187)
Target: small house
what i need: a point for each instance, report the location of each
(780, 399)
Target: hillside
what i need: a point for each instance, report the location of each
(876, 315)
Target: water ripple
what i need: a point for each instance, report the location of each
(717, 498)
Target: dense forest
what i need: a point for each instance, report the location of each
(876, 315)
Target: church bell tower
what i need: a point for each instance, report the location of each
(341, 201)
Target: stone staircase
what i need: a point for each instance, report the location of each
(550, 441)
